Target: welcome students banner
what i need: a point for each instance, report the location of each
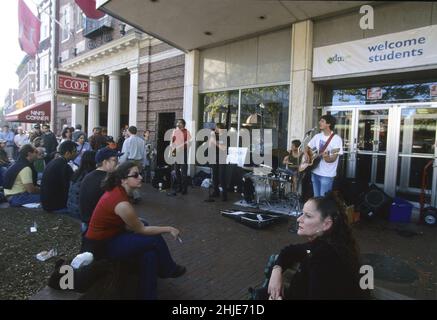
(417, 47)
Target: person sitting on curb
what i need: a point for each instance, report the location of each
(4, 160)
(91, 188)
(87, 164)
(328, 263)
(56, 178)
(20, 180)
(107, 235)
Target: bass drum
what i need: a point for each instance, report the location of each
(263, 190)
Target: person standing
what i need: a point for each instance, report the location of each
(218, 141)
(82, 147)
(180, 141)
(97, 140)
(21, 138)
(77, 132)
(35, 133)
(56, 178)
(133, 150)
(9, 136)
(49, 142)
(326, 142)
(149, 156)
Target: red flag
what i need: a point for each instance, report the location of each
(89, 8)
(29, 29)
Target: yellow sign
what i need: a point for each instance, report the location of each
(19, 104)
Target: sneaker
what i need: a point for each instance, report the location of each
(179, 271)
(172, 194)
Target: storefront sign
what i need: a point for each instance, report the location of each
(374, 93)
(411, 48)
(433, 90)
(37, 112)
(73, 85)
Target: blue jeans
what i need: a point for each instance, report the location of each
(321, 185)
(2, 172)
(24, 198)
(153, 256)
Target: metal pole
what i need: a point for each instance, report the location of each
(53, 68)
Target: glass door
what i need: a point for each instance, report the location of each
(417, 141)
(344, 128)
(371, 145)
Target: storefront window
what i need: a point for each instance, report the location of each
(220, 107)
(417, 92)
(266, 108)
(261, 108)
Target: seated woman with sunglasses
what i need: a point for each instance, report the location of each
(116, 232)
(328, 264)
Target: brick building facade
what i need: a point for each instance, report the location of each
(135, 79)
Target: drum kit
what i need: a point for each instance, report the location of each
(272, 187)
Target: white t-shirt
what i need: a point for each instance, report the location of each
(324, 168)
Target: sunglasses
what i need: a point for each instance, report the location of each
(135, 175)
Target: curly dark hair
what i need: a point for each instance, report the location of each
(113, 179)
(340, 235)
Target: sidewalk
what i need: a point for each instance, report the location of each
(223, 258)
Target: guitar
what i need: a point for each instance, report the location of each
(312, 158)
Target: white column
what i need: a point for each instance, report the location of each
(78, 114)
(191, 101)
(302, 88)
(133, 96)
(114, 105)
(93, 106)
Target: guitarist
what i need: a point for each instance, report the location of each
(323, 173)
(179, 148)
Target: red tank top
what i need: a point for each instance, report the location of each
(105, 223)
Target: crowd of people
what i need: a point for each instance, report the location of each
(97, 181)
(91, 180)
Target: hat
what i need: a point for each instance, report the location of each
(3, 141)
(37, 126)
(106, 153)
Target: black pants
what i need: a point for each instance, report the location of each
(219, 177)
(181, 170)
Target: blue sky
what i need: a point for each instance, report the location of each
(11, 55)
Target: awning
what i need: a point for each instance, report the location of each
(37, 112)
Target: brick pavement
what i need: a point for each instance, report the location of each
(223, 258)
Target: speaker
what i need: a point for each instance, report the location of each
(375, 202)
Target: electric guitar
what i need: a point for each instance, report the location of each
(312, 158)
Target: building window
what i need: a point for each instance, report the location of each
(79, 20)
(45, 24)
(44, 71)
(260, 108)
(65, 22)
(413, 92)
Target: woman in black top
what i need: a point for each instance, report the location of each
(328, 264)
